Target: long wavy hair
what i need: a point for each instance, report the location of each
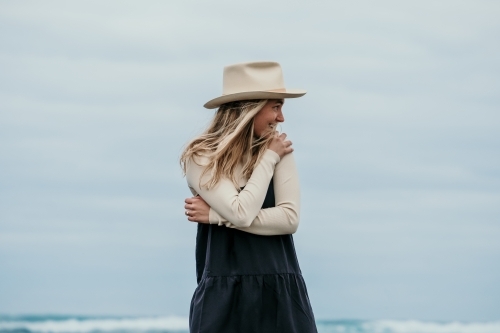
(228, 141)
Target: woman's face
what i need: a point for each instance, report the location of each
(269, 116)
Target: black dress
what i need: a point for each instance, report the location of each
(248, 283)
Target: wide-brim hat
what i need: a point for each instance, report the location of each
(253, 80)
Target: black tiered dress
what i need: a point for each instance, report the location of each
(248, 283)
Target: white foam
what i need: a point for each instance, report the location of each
(174, 323)
(89, 325)
(415, 326)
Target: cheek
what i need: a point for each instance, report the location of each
(259, 126)
(260, 122)
(268, 118)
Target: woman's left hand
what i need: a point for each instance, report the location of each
(197, 209)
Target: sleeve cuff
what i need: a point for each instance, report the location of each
(214, 217)
(271, 154)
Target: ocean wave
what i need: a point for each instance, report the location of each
(415, 326)
(406, 326)
(84, 325)
(79, 324)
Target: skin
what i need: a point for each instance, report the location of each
(197, 210)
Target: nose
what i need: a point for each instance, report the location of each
(279, 117)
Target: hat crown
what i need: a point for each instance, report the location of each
(253, 81)
(252, 76)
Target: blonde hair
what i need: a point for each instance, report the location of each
(228, 141)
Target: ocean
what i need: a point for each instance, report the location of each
(173, 324)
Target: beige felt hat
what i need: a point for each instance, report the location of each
(253, 80)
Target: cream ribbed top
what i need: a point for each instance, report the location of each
(242, 209)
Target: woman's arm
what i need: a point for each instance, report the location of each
(284, 217)
(240, 208)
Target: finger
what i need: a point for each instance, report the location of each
(193, 200)
(288, 143)
(283, 136)
(192, 219)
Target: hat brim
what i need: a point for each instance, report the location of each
(247, 95)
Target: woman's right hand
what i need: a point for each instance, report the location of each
(281, 146)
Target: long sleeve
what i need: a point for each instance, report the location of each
(284, 217)
(240, 208)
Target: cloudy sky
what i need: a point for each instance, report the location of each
(397, 143)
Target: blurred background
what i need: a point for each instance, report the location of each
(397, 143)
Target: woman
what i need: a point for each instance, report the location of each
(246, 203)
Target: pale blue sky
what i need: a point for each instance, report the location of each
(397, 143)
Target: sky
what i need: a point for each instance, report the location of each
(397, 144)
